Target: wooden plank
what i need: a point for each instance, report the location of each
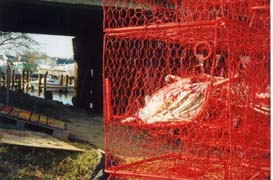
(6, 109)
(56, 123)
(14, 112)
(43, 119)
(34, 139)
(22, 117)
(34, 117)
(25, 115)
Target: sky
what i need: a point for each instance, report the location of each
(55, 46)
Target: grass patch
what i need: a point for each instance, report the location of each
(22, 163)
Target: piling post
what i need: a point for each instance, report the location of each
(44, 85)
(61, 80)
(4, 79)
(1, 78)
(66, 82)
(39, 84)
(70, 80)
(19, 82)
(27, 81)
(22, 80)
(12, 79)
(8, 84)
(75, 79)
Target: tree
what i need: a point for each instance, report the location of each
(32, 57)
(16, 41)
(30, 67)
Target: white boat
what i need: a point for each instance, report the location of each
(66, 69)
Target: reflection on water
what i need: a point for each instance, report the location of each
(65, 98)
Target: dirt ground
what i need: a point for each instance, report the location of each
(86, 128)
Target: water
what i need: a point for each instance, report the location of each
(65, 98)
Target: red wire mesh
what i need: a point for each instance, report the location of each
(186, 89)
(137, 13)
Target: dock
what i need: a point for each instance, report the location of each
(26, 82)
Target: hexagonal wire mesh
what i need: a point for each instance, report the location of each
(186, 89)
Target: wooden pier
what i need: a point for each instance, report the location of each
(24, 82)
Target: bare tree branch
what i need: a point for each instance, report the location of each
(16, 41)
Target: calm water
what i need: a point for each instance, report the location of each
(65, 98)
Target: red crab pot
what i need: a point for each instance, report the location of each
(186, 89)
